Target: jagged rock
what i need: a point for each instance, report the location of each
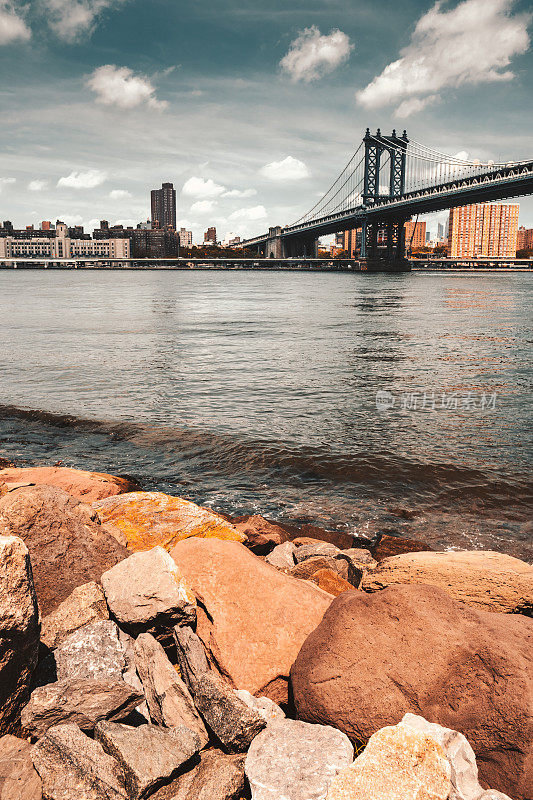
(230, 719)
(395, 545)
(148, 755)
(331, 582)
(85, 604)
(282, 556)
(19, 630)
(146, 592)
(83, 702)
(168, 698)
(261, 535)
(74, 767)
(296, 761)
(148, 519)
(484, 579)
(375, 657)
(18, 778)
(85, 486)
(306, 568)
(217, 776)
(315, 549)
(252, 619)
(93, 651)
(67, 545)
(265, 707)
(397, 763)
(360, 561)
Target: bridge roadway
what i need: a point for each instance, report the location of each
(514, 180)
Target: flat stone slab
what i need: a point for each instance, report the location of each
(93, 651)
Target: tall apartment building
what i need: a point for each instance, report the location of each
(164, 207)
(349, 241)
(415, 235)
(485, 230)
(211, 235)
(524, 239)
(185, 237)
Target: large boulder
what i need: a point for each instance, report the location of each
(18, 778)
(398, 763)
(143, 520)
(331, 582)
(86, 486)
(67, 545)
(93, 651)
(375, 657)
(217, 776)
(252, 619)
(296, 761)
(85, 604)
(261, 535)
(146, 592)
(19, 630)
(482, 578)
(387, 545)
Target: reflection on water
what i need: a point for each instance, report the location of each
(257, 392)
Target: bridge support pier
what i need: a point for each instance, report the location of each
(383, 246)
(278, 247)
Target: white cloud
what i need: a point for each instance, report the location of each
(203, 206)
(12, 26)
(240, 193)
(37, 185)
(119, 86)
(203, 189)
(70, 19)
(6, 182)
(119, 194)
(83, 180)
(249, 214)
(472, 43)
(312, 55)
(289, 169)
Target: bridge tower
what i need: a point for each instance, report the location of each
(384, 153)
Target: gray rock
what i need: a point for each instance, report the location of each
(93, 651)
(146, 593)
(19, 630)
(296, 761)
(190, 650)
(18, 778)
(85, 604)
(312, 550)
(461, 757)
(282, 556)
(83, 701)
(217, 777)
(264, 706)
(168, 698)
(359, 556)
(74, 767)
(148, 755)
(225, 714)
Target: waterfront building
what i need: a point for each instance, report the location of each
(185, 237)
(349, 241)
(415, 235)
(155, 243)
(524, 239)
(61, 245)
(210, 236)
(164, 207)
(484, 230)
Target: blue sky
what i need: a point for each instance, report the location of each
(250, 108)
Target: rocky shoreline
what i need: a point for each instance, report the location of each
(151, 648)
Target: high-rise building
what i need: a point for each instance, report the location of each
(210, 235)
(164, 207)
(440, 231)
(185, 237)
(46, 225)
(415, 235)
(485, 230)
(349, 241)
(524, 239)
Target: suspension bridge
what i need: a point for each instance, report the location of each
(387, 181)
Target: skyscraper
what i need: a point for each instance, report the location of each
(211, 235)
(164, 207)
(484, 230)
(415, 235)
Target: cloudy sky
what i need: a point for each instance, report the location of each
(251, 108)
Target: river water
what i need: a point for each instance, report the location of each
(352, 401)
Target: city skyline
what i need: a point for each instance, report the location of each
(104, 112)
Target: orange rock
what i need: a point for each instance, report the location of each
(331, 582)
(85, 486)
(142, 520)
